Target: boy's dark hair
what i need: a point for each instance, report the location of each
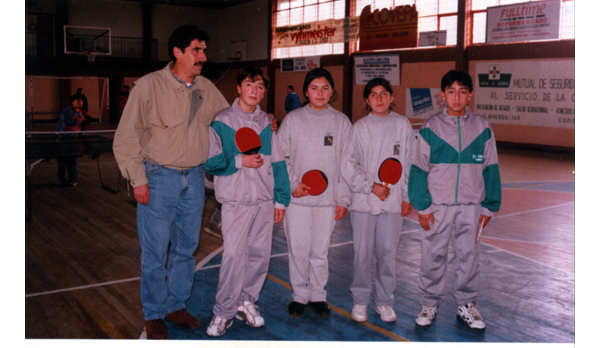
(76, 96)
(291, 87)
(460, 77)
(183, 36)
(315, 74)
(252, 72)
(377, 81)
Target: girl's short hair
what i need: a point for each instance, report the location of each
(253, 72)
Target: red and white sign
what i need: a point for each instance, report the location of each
(538, 20)
(388, 28)
(315, 33)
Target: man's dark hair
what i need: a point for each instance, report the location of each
(183, 36)
(291, 87)
(252, 72)
(460, 77)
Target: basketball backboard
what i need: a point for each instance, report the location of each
(87, 40)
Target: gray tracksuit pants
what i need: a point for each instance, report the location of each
(377, 235)
(308, 231)
(247, 238)
(459, 223)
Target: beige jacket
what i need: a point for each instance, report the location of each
(156, 125)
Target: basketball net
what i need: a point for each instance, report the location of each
(91, 56)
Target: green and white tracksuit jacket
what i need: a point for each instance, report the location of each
(249, 197)
(455, 163)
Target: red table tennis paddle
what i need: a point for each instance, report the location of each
(390, 171)
(247, 141)
(479, 232)
(316, 180)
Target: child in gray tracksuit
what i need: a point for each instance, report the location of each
(376, 210)
(454, 183)
(254, 191)
(312, 137)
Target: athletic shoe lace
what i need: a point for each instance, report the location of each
(427, 312)
(473, 312)
(251, 307)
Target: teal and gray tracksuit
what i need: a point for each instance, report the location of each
(455, 176)
(376, 224)
(249, 196)
(313, 139)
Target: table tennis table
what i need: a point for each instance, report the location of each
(43, 146)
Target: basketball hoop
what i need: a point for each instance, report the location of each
(91, 55)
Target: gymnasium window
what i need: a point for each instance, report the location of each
(292, 12)
(434, 15)
(478, 16)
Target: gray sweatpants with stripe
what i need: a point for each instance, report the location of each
(308, 231)
(377, 235)
(460, 224)
(247, 238)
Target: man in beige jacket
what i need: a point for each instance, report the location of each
(160, 145)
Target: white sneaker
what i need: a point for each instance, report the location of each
(387, 313)
(218, 325)
(248, 313)
(425, 317)
(359, 313)
(469, 314)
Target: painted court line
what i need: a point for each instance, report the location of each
(346, 314)
(82, 287)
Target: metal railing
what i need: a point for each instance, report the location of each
(44, 46)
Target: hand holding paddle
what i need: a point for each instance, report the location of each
(300, 191)
(252, 161)
(382, 192)
(483, 220)
(315, 182)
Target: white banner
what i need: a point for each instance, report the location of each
(315, 33)
(369, 67)
(528, 93)
(537, 20)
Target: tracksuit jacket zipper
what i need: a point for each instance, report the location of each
(459, 154)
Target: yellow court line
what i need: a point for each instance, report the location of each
(347, 315)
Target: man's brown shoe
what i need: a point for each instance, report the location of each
(183, 319)
(156, 330)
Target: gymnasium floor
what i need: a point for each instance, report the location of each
(82, 267)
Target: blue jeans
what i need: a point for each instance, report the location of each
(173, 216)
